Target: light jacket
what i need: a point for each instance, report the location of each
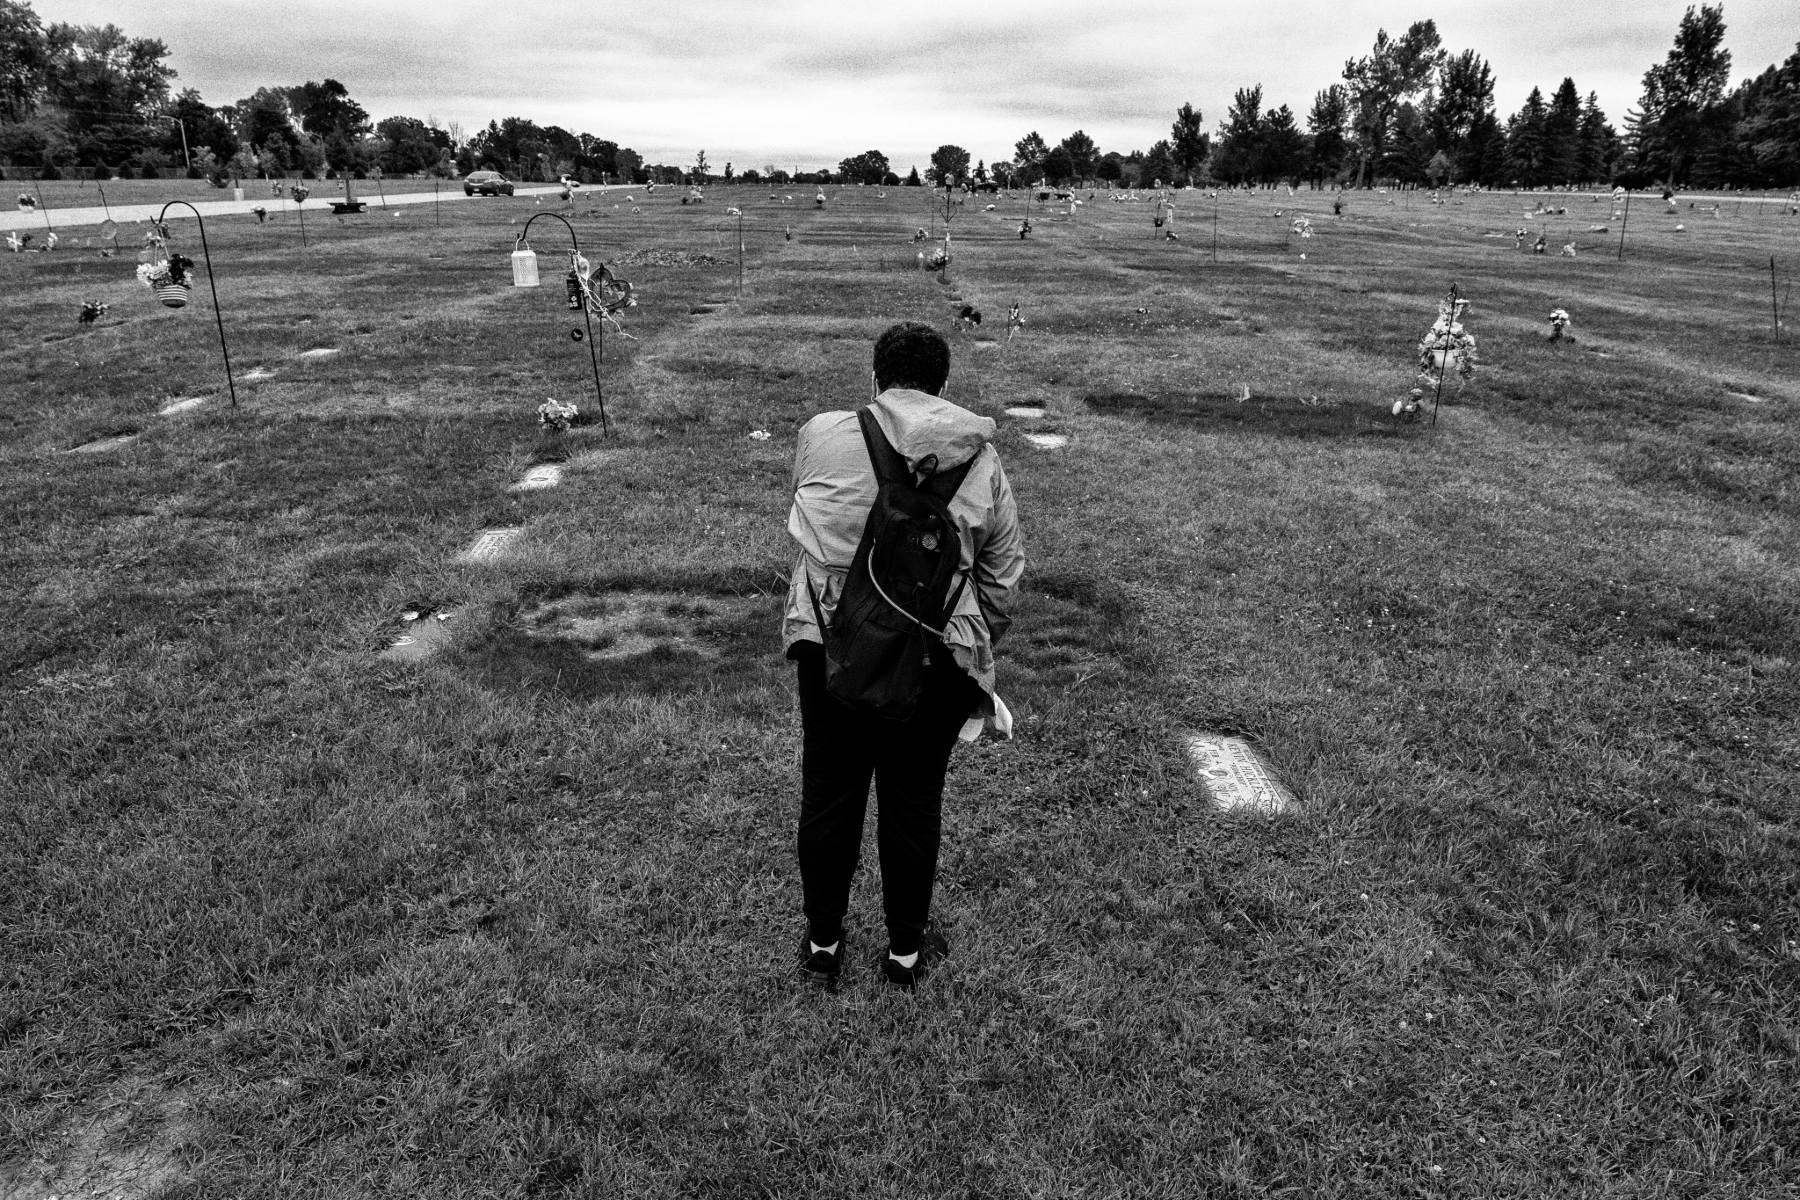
(834, 489)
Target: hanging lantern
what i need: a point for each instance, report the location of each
(524, 265)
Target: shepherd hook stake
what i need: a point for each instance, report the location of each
(211, 283)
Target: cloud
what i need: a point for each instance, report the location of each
(813, 81)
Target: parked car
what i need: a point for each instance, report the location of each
(488, 183)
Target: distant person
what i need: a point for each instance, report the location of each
(925, 443)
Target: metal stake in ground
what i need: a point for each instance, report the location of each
(740, 253)
(594, 347)
(1624, 220)
(206, 252)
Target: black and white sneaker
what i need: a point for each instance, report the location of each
(933, 949)
(820, 966)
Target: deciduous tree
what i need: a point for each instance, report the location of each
(1392, 72)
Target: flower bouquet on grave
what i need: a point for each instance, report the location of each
(299, 192)
(92, 311)
(169, 278)
(1559, 321)
(1446, 347)
(27, 201)
(556, 417)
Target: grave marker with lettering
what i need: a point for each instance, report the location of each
(490, 544)
(1236, 776)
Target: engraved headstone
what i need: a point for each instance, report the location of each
(544, 475)
(1236, 776)
(490, 544)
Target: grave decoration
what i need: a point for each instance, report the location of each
(168, 279)
(92, 311)
(593, 290)
(556, 416)
(1559, 321)
(1446, 346)
(1015, 323)
(27, 202)
(262, 214)
(17, 243)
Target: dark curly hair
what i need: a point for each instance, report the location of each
(911, 355)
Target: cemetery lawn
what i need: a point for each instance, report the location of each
(281, 916)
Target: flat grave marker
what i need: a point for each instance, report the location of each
(1027, 411)
(423, 636)
(1236, 776)
(102, 445)
(320, 354)
(490, 544)
(544, 475)
(181, 406)
(258, 375)
(1047, 441)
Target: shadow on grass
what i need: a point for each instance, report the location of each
(1292, 416)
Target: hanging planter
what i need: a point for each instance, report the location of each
(168, 279)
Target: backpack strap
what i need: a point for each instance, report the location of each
(890, 465)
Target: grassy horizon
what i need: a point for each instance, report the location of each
(282, 916)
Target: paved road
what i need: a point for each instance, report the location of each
(318, 203)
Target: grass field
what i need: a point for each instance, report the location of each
(280, 917)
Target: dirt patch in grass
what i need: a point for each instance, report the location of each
(123, 1146)
(1296, 416)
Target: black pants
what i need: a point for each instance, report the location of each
(841, 752)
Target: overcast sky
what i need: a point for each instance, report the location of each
(807, 82)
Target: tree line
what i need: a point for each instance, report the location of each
(92, 99)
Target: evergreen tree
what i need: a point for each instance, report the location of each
(1326, 122)
(1525, 141)
(1237, 158)
(1158, 167)
(1770, 130)
(1488, 154)
(1562, 135)
(1281, 152)
(1598, 144)
(1465, 94)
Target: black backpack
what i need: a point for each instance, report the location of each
(897, 595)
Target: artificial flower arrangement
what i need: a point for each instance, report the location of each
(1559, 321)
(299, 192)
(166, 272)
(1446, 346)
(1302, 226)
(92, 311)
(27, 201)
(554, 415)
